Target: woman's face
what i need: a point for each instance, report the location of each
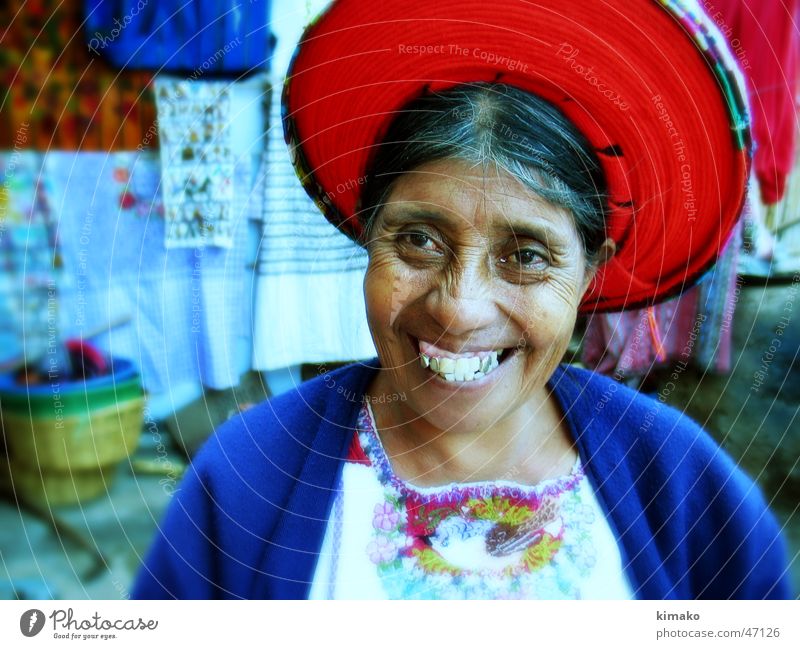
(472, 291)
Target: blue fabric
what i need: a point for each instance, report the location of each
(190, 308)
(191, 36)
(249, 518)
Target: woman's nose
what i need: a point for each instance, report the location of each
(462, 299)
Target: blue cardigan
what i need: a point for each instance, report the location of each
(249, 516)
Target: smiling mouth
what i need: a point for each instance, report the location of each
(462, 368)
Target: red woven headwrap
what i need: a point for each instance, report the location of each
(650, 84)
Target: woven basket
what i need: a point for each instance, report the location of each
(90, 439)
(64, 459)
(54, 488)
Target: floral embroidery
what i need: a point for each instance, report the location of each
(386, 517)
(381, 550)
(481, 540)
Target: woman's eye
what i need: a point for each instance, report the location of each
(418, 240)
(526, 258)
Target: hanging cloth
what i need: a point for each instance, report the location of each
(764, 37)
(194, 120)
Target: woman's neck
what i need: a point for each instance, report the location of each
(528, 446)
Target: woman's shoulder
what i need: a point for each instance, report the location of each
(606, 404)
(241, 484)
(655, 462)
(646, 433)
(280, 430)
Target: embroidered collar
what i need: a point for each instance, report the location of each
(374, 452)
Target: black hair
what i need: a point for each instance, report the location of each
(521, 133)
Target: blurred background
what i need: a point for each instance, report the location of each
(157, 254)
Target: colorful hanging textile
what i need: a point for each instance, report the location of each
(695, 327)
(57, 94)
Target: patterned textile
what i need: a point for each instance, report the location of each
(695, 327)
(57, 93)
(484, 540)
(194, 124)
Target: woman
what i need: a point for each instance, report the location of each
(507, 167)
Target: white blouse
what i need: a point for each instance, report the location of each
(387, 539)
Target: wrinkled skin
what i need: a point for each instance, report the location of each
(467, 258)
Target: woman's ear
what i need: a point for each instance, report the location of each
(606, 251)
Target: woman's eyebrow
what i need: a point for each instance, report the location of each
(400, 215)
(540, 230)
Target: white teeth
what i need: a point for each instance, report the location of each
(447, 365)
(461, 368)
(469, 368)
